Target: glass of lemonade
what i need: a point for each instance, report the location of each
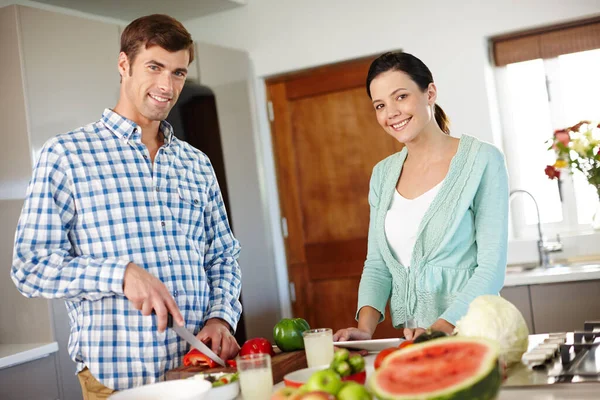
(256, 378)
(318, 344)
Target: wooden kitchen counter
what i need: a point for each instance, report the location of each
(281, 364)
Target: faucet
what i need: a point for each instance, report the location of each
(544, 247)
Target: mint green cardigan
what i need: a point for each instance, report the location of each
(460, 251)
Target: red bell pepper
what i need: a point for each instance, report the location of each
(231, 363)
(196, 358)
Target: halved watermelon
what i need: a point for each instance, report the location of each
(446, 368)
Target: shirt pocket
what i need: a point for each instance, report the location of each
(191, 200)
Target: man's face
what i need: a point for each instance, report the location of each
(152, 83)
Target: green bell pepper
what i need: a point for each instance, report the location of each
(288, 334)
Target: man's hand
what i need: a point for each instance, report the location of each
(147, 293)
(217, 332)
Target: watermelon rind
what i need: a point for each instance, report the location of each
(483, 385)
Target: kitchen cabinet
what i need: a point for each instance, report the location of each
(520, 297)
(563, 307)
(556, 307)
(36, 379)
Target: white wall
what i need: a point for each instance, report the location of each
(449, 36)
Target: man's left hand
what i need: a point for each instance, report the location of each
(217, 332)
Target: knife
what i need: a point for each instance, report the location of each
(194, 341)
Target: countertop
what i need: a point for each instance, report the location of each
(554, 274)
(579, 391)
(15, 354)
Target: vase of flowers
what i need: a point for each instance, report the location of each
(578, 148)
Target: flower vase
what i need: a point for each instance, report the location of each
(596, 217)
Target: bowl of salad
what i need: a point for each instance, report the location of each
(225, 385)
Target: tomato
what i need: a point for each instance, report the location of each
(232, 363)
(257, 345)
(288, 334)
(382, 355)
(406, 343)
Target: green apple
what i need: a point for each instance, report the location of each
(353, 391)
(341, 355)
(357, 363)
(326, 380)
(343, 369)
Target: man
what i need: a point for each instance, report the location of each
(123, 221)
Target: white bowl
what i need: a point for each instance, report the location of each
(182, 389)
(226, 392)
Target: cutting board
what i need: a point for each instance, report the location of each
(281, 364)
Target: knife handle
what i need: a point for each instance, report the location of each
(169, 319)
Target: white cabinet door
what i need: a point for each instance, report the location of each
(71, 71)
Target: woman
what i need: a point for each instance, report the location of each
(439, 211)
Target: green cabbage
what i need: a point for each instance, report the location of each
(495, 318)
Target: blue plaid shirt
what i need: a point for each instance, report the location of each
(95, 203)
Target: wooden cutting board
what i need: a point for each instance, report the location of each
(281, 364)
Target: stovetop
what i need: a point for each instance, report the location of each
(567, 357)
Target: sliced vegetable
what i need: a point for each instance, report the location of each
(196, 358)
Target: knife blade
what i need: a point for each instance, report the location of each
(194, 341)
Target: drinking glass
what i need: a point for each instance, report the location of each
(318, 344)
(256, 378)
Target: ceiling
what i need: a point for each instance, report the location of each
(128, 10)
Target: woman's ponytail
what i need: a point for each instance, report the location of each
(442, 119)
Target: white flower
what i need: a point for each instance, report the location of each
(580, 145)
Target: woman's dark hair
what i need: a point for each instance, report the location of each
(413, 67)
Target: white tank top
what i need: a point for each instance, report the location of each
(402, 222)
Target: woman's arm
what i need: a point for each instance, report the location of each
(490, 209)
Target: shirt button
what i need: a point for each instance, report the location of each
(158, 189)
(163, 223)
(195, 201)
(145, 156)
(175, 293)
(170, 260)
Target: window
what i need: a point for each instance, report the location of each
(537, 97)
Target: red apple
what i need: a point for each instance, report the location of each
(320, 395)
(286, 393)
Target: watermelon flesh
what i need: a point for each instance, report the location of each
(448, 368)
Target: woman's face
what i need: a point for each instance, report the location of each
(403, 110)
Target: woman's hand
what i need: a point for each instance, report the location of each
(412, 333)
(344, 335)
(440, 325)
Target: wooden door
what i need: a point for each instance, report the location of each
(326, 142)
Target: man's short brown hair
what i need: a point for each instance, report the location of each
(156, 30)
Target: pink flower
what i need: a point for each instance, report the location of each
(562, 135)
(552, 172)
